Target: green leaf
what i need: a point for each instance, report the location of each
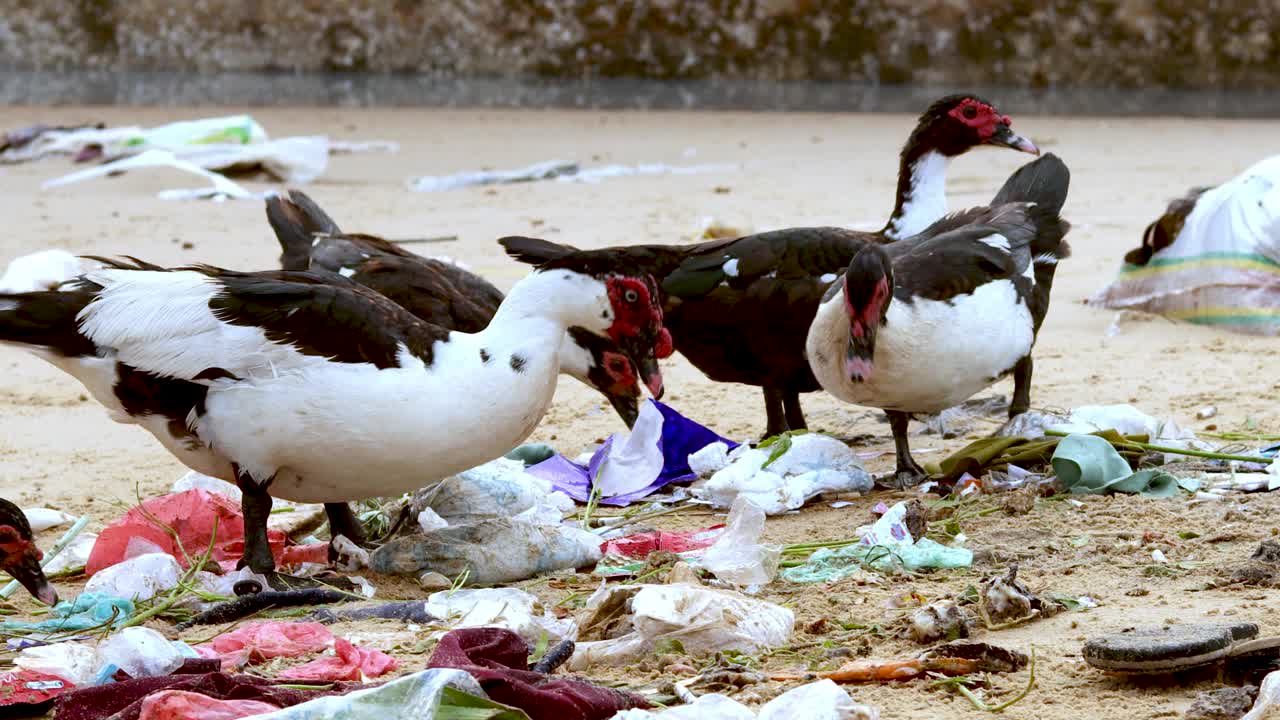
(1188, 535)
(780, 448)
(457, 705)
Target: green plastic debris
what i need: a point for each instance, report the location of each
(1088, 464)
(531, 453)
(831, 565)
(89, 610)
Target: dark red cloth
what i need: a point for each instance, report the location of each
(499, 660)
(125, 698)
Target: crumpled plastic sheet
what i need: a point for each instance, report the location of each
(490, 551)
(703, 620)
(808, 465)
(261, 641)
(499, 660)
(497, 489)
(886, 545)
(86, 611)
(348, 663)
(821, 700)
(508, 608)
(668, 436)
(738, 557)
(192, 515)
(185, 705)
(1088, 464)
(412, 697)
(639, 545)
(124, 700)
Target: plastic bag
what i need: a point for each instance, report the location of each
(490, 551)
(140, 652)
(738, 556)
(348, 663)
(821, 700)
(412, 697)
(41, 519)
(74, 662)
(497, 489)
(193, 515)
(138, 578)
(703, 620)
(184, 705)
(262, 641)
(783, 476)
(509, 608)
(88, 610)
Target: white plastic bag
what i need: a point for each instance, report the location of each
(633, 461)
(821, 700)
(41, 519)
(71, 661)
(515, 610)
(138, 578)
(703, 620)
(812, 465)
(139, 651)
(738, 557)
(412, 697)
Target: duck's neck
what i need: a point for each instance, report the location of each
(922, 193)
(541, 308)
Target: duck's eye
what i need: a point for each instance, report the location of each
(631, 296)
(970, 112)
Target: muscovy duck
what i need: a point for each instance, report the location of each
(754, 333)
(316, 389)
(437, 291)
(19, 556)
(919, 325)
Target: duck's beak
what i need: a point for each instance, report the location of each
(1006, 137)
(652, 375)
(28, 573)
(627, 407)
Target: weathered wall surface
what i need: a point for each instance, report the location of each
(1116, 43)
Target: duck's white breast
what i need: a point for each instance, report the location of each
(931, 355)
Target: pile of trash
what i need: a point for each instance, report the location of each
(474, 644)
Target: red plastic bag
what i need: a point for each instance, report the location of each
(261, 641)
(349, 663)
(639, 545)
(191, 514)
(29, 688)
(183, 705)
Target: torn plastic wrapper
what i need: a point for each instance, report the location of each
(678, 438)
(784, 475)
(821, 700)
(639, 545)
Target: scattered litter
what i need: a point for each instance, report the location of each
(738, 557)
(71, 661)
(952, 659)
(30, 143)
(782, 475)
(887, 544)
(41, 519)
(420, 696)
(89, 610)
(1174, 648)
(508, 608)
(181, 705)
(27, 693)
(291, 518)
(640, 545)
(821, 700)
(942, 620)
(348, 663)
(497, 489)
(139, 652)
(1206, 412)
(1089, 464)
(560, 170)
(262, 641)
(499, 660)
(489, 551)
(625, 622)
(220, 188)
(628, 467)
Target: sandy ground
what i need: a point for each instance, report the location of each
(58, 449)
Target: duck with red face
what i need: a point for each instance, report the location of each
(19, 556)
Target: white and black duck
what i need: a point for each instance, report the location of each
(294, 385)
(754, 333)
(438, 291)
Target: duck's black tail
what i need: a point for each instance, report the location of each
(46, 319)
(296, 220)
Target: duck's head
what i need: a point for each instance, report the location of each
(19, 556)
(613, 299)
(868, 290)
(609, 370)
(956, 124)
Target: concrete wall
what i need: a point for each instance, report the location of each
(1114, 43)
